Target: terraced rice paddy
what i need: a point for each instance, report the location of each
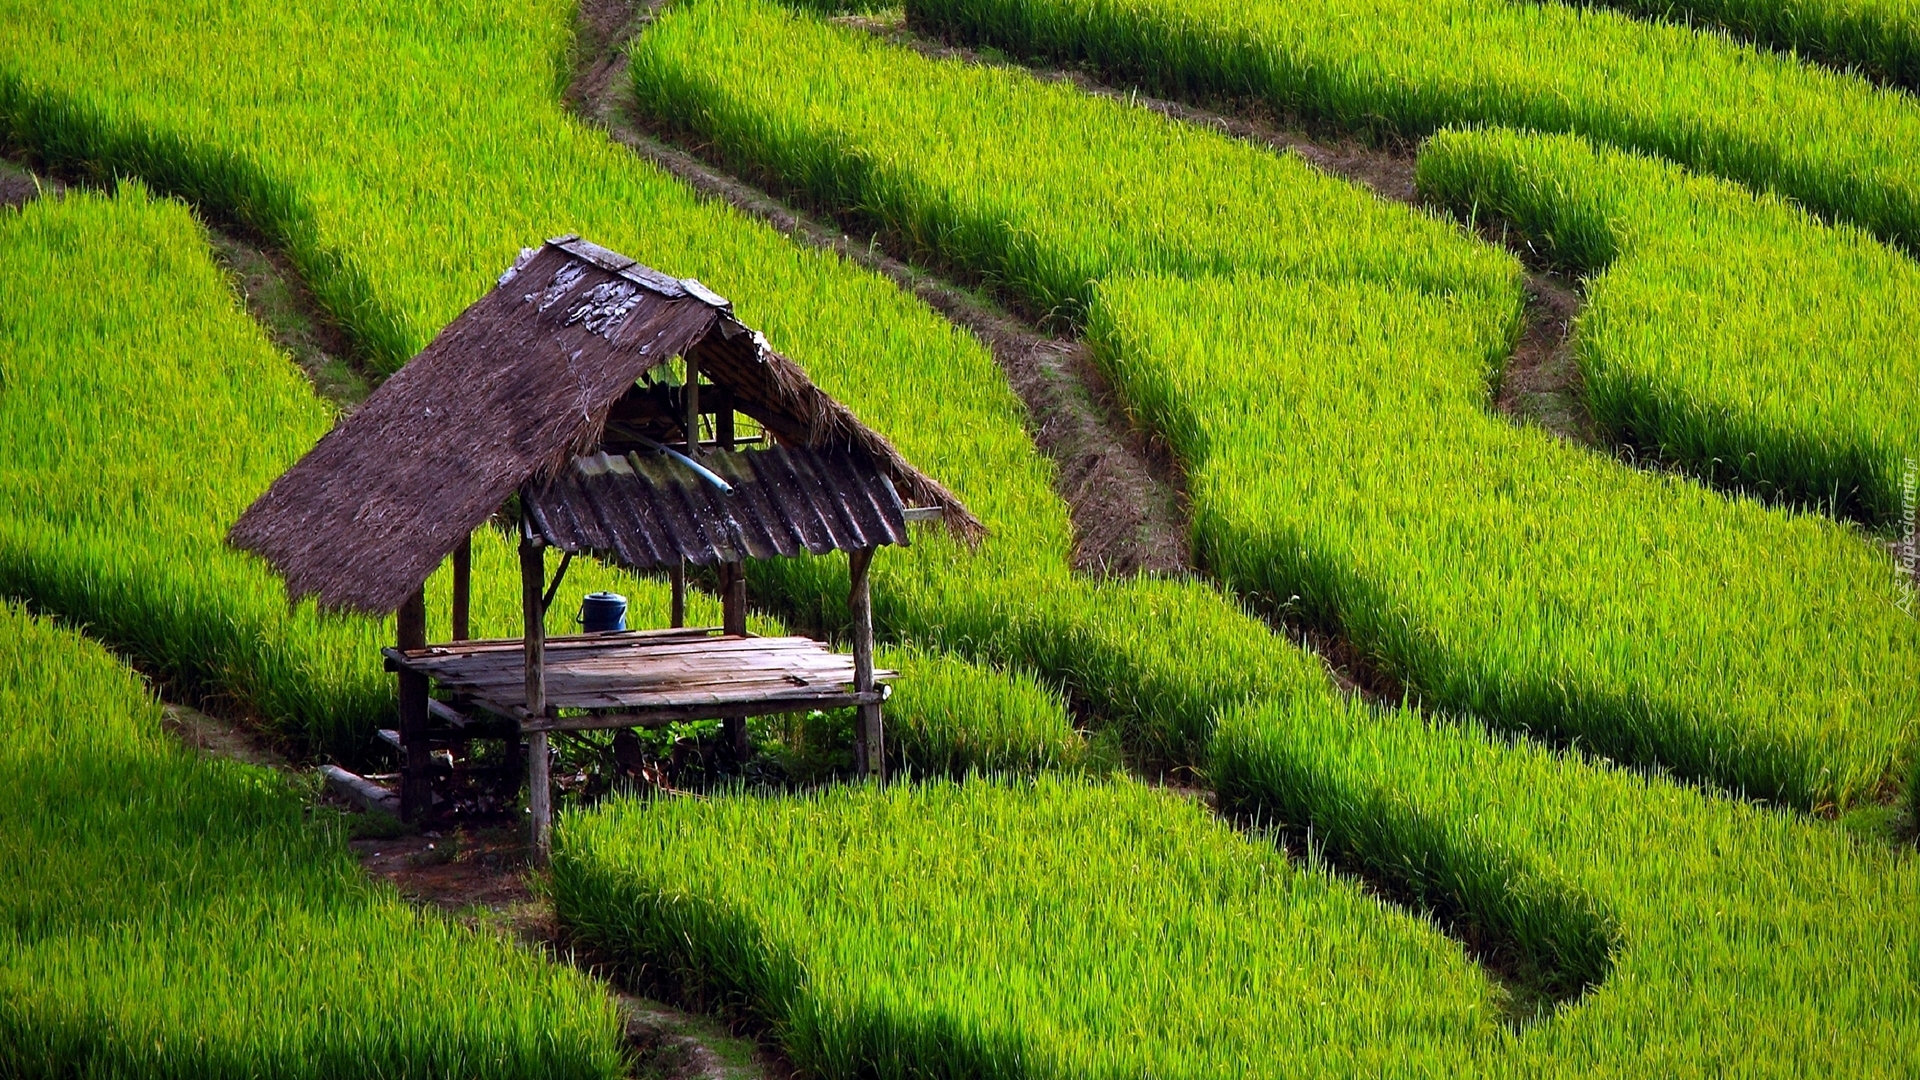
(1834, 142)
(1054, 929)
(1597, 837)
(1734, 336)
(1342, 462)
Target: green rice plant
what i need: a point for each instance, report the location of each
(1342, 460)
(1410, 67)
(403, 155)
(1052, 929)
(166, 915)
(1743, 940)
(945, 720)
(1877, 38)
(1110, 930)
(1734, 336)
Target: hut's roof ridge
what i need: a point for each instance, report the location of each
(665, 285)
(509, 393)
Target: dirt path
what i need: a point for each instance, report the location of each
(278, 299)
(481, 877)
(19, 187)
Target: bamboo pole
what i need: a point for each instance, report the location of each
(533, 573)
(870, 748)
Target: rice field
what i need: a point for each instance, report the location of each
(402, 217)
(1731, 335)
(1831, 141)
(1341, 460)
(165, 915)
(1740, 940)
(1422, 890)
(1052, 929)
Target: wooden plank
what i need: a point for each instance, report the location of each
(447, 714)
(765, 652)
(559, 643)
(562, 687)
(564, 693)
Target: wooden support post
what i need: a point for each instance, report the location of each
(691, 392)
(870, 749)
(678, 575)
(533, 575)
(416, 756)
(733, 598)
(462, 589)
(723, 417)
(733, 620)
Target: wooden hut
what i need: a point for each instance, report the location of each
(551, 405)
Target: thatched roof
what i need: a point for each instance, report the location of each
(510, 392)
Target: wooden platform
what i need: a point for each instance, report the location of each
(644, 678)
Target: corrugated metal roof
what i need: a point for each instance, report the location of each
(648, 510)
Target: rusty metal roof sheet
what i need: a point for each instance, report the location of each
(647, 510)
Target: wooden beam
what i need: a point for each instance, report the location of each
(416, 760)
(462, 588)
(533, 580)
(359, 789)
(870, 749)
(664, 715)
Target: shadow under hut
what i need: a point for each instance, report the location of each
(594, 406)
